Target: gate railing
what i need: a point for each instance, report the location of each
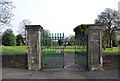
(52, 50)
(81, 50)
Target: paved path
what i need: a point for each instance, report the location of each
(69, 63)
(69, 59)
(59, 50)
(12, 73)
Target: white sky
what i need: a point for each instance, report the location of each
(59, 15)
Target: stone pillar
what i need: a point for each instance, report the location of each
(34, 46)
(95, 46)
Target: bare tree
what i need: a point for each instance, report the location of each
(109, 18)
(6, 15)
(22, 30)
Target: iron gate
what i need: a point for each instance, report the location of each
(81, 49)
(52, 50)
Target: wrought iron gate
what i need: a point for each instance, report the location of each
(81, 50)
(52, 50)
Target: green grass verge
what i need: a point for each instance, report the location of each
(13, 49)
(67, 49)
(72, 49)
(49, 49)
(111, 50)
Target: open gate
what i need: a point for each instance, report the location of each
(81, 50)
(50, 54)
(52, 50)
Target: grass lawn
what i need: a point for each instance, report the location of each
(111, 50)
(23, 49)
(13, 49)
(67, 49)
(50, 49)
(70, 49)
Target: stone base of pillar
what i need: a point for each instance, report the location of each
(96, 68)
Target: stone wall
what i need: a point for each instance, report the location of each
(111, 61)
(14, 60)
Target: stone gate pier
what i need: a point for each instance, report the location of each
(95, 60)
(34, 46)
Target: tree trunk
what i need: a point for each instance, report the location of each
(110, 40)
(110, 44)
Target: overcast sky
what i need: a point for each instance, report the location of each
(59, 15)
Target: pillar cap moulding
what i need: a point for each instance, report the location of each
(34, 27)
(96, 26)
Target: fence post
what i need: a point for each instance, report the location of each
(95, 46)
(34, 46)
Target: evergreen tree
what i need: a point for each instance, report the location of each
(8, 38)
(19, 40)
